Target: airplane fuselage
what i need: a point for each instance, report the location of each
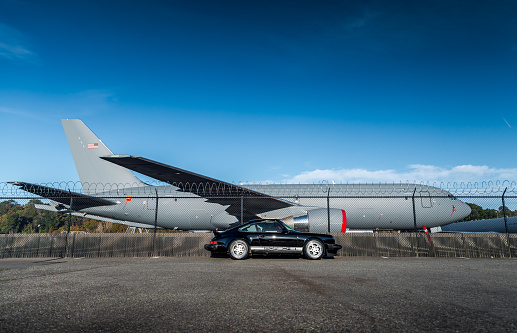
(374, 206)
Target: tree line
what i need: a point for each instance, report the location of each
(16, 218)
(478, 213)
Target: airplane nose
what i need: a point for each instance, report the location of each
(462, 210)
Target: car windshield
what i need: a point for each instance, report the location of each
(286, 226)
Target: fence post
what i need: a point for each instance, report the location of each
(328, 210)
(414, 209)
(242, 208)
(506, 225)
(504, 212)
(70, 212)
(415, 232)
(155, 223)
(69, 222)
(73, 247)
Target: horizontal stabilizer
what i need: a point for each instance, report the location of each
(79, 201)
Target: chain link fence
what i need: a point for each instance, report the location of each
(40, 224)
(191, 244)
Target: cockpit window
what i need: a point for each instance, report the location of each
(452, 197)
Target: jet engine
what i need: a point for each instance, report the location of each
(316, 220)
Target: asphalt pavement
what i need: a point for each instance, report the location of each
(172, 294)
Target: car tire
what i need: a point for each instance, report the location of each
(314, 249)
(238, 249)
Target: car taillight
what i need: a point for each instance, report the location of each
(213, 243)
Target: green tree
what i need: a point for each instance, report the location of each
(478, 213)
(90, 225)
(14, 223)
(8, 206)
(47, 221)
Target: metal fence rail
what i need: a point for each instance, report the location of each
(191, 245)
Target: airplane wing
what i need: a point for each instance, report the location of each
(79, 201)
(212, 189)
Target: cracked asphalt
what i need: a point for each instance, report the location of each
(171, 294)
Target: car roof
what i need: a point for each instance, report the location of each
(255, 221)
(260, 220)
(249, 222)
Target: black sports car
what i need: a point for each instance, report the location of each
(267, 236)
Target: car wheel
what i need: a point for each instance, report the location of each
(314, 249)
(238, 249)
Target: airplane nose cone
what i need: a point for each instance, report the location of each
(462, 210)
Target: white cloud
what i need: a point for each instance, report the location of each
(414, 173)
(14, 45)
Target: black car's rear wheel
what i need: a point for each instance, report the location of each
(314, 249)
(238, 249)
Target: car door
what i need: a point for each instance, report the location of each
(274, 237)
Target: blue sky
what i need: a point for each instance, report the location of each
(264, 91)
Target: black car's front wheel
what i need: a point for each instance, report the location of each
(238, 249)
(314, 249)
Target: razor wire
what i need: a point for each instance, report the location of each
(461, 189)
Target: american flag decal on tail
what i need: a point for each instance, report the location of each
(93, 145)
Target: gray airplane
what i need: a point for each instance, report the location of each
(189, 201)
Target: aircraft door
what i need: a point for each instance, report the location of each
(425, 199)
(140, 209)
(150, 203)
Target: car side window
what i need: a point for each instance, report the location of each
(249, 228)
(269, 226)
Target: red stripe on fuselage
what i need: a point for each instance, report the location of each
(343, 226)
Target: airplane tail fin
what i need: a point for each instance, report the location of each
(96, 174)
